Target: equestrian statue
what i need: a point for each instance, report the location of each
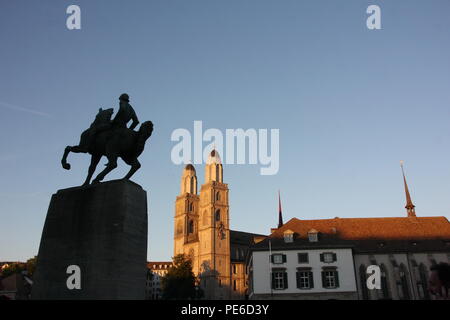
(112, 138)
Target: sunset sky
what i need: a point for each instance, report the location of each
(349, 103)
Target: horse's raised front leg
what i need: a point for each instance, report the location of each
(135, 165)
(94, 162)
(112, 164)
(67, 150)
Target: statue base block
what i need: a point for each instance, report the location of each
(101, 229)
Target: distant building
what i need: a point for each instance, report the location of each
(16, 286)
(156, 270)
(293, 265)
(202, 232)
(328, 259)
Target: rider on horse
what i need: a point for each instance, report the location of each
(125, 113)
(123, 116)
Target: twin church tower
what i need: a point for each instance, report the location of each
(202, 228)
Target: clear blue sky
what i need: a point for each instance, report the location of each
(350, 103)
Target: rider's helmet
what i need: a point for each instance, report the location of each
(124, 97)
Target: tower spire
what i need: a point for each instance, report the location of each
(280, 214)
(409, 205)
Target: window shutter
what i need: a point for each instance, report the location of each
(285, 280)
(284, 258)
(298, 279)
(273, 280)
(311, 280)
(321, 257)
(334, 257)
(336, 278)
(323, 279)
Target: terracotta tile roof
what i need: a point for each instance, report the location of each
(403, 228)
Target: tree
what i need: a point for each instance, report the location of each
(19, 267)
(31, 265)
(15, 267)
(179, 282)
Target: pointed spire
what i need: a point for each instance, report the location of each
(280, 214)
(409, 205)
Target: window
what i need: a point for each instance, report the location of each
(279, 280)
(363, 280)
(424, 282)
(402, 285)
(192, 185)
(384, 282)
(303, 258)
(191, 227)
(278, 258)
(305, 279)
(288, 237)
(312, 236)
(218, 215)
(234, 285)
(330, 279)
(217, 196)
(234, 269)
(328, 257)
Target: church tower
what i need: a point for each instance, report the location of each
(186, 217)
(410, 207)
(214, 232)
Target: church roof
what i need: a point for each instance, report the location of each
(214, 157)
(189, 167)
(410, 234)
(393, 228)
(240, 242)
(243, 238)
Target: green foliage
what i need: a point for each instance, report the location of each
(179, 282)
(31, 265)
(15, 267)
(18, 267)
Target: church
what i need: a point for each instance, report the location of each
(309, 259)
(202, 232)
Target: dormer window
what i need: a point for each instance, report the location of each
(313, 235)
(288, 236)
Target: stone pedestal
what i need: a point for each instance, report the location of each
(103, 230)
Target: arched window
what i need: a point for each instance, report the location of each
(217, 215)
(217, 196)
(422, 284)
(191, 226)
(403, 283)
(363, 279)
(384, 282)
(192, 185)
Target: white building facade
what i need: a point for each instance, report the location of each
(298, 270)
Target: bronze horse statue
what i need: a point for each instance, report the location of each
(105, 139)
